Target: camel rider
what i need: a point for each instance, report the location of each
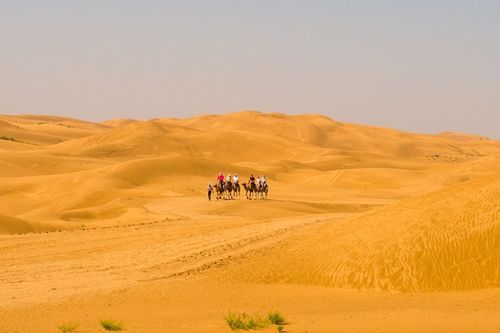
(251, 180)
(228, 178)
(263, 181)
(220, 179)
(259, 183)
(236, 179)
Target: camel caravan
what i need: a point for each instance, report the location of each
(228, 188)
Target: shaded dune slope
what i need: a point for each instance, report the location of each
(9, 224)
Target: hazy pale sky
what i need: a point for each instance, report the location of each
(423, 66)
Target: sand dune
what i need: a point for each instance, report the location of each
(11, 224)
(350, 207)
(45, 130)
(463, 136)
(442, 241)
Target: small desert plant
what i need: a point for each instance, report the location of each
(236, 321)
(276, 318)
(68, 327)
(256, 323)
(110, 325)
(242, 321)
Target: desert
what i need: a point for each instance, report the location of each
(365, 228)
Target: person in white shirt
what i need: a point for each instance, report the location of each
(235, 179)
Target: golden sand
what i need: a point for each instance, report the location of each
(366, 229)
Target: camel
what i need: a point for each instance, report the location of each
(250, 190)
(263, 190)
(219, 190)
(236, 190)
(228, 190)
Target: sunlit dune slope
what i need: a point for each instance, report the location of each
(112, 220)
(56, 170)
(172, 138)
(118, 122)
(135, 139)
(330, 138)
(463, 136)
(442, 241)
(45, 130)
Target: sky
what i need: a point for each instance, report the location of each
(422, 66)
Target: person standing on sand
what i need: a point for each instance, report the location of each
(209, 189)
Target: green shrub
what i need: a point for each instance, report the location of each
(276, 318)
(110, 325)
(242, 321)
(256, 323)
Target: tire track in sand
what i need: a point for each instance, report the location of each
(42, 267)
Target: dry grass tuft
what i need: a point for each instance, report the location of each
(68, 327)
(111, 325)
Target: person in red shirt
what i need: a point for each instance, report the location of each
(220, 179)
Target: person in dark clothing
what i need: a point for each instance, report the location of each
(209, 190)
